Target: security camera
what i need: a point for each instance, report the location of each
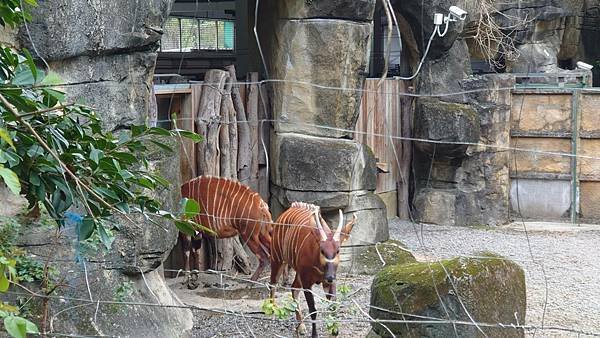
(458, 13)
(584, 66)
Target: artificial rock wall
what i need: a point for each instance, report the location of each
(313, 157)
(469, 184)
(106, 51)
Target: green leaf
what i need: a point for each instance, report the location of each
(185, 227)
(188, 134)
(158, 131)
(6, 137)
(106, 193)
(30, 63)
(19, 327)
(146, 183)
(162, 146)
(11, 180)
(23, 76)
(96, 155)
(125, 157)
(4, 283)
(105, 237)
(35, 151)
(191, 208)
(86, 228)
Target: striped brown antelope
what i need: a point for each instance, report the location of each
(229, 208)
(303, 241)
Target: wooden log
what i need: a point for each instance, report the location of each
(244, 159)
(208, 121)
(264, 128)
(406, 106)
(252, 109)
(224, 140)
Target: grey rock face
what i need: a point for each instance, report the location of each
(490, 290)
(448, 122)
(308, 163)
(436, 206)
(465, 185)
(117, 86)
(326, 52)
(77, 28)
(106, 50)
(352, 10)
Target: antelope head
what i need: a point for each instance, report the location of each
(330, 243)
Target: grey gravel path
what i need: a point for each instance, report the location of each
(570, 257)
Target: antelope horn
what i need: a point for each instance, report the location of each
(338, 231)
(320, 227)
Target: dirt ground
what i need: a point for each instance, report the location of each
(565, 293)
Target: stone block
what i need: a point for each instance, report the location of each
(488, 290)
(332, 200)
(447, 122)
(82, 27)
(308, 163)
(325, 52)
(371, 224)
(435, 206)
(353, 10)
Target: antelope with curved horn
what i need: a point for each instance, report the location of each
(303, 240)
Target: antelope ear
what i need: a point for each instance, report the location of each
(347, 229)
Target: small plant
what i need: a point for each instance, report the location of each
(124, 292)
(283, 311)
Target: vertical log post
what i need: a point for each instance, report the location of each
(406, 106)
(252, 109)
(244, 158)
(208, 121)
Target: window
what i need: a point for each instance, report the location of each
(188, 35)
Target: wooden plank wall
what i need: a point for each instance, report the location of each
(381, 112)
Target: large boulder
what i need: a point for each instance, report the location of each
(484, 290)
(311, 55)
(308, 163)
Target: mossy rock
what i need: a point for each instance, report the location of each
(368, 262)
(491, 289)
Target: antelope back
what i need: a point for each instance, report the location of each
(228, 207)
(294, 234)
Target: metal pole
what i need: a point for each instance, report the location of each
(574, 149)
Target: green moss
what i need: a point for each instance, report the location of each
(491, 287)
(368, 262)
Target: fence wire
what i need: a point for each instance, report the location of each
(193, 41)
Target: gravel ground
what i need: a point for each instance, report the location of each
(570, 257)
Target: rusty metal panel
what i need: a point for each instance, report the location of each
(590, 115)
(540, 164)
(588, 163)
(541, 114)
(589, 200)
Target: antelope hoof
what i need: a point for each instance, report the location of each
(301, 330)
